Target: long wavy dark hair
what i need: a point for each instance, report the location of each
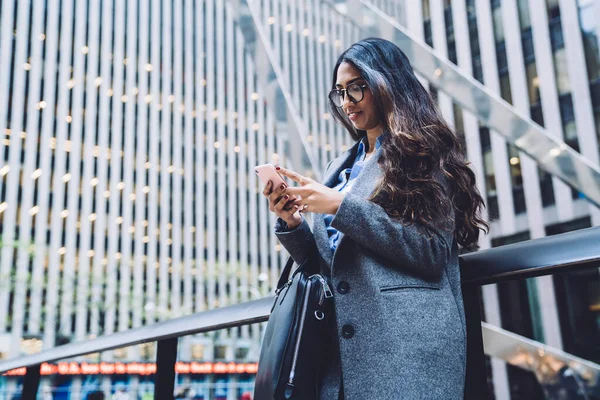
(426, 177)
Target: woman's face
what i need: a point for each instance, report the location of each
(362, 114)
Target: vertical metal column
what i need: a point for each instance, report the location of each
(475, 380)
(199, 170)
(29, 210)
(177, 163)
(40, 272)
(164, 380)
(152, 235)
(31, 382)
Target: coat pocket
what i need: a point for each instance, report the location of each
(410, 286)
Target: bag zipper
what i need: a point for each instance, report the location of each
(299, 339)
(326, 290)
(327, 293)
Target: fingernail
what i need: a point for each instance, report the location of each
(282, 186)
(278, 168)
(287, 197)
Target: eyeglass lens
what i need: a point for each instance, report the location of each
(355, 93)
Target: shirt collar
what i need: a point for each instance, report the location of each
(362, 145)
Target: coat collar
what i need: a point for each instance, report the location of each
(363, 186)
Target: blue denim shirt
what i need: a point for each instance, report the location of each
(345, 182)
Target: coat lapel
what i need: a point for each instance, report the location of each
(344, 161)
(368, 179)
(363, 186)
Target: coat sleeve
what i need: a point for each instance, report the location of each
(299, 242)
(407, 246)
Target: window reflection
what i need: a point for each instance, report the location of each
(561, 71)
(533, 83)
(524, 19)
(505, 88)
(589, 24)
(498, 25)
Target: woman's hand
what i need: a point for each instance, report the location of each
(312, 196)
(281, 204)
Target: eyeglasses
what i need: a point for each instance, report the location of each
(354, 91)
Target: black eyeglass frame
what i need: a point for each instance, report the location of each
(344, 92)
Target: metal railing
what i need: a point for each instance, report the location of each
(545, 256)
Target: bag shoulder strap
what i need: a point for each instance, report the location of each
(285, 273)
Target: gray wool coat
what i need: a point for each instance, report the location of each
(400, 325)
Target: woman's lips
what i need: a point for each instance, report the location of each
(354, 115)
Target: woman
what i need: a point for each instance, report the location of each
(389, 219)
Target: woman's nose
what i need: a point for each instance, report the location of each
(345, 100)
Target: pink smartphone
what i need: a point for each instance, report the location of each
(267, 172)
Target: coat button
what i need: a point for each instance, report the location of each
(343, 287)
(347, 331)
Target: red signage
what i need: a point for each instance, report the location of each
(134, 368)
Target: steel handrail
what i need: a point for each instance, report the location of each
(220, 318)
(544, 256)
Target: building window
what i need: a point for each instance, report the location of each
(552, 8)
(566, 108)
(533, 83)
(474, 39)
(488, 167)
(501, 58)
(426, 11)
(589, 23)
(148, 351)
(524, 18)
(562, 73)
(505, 88)
(428, 33)
(527, 43)
(450, 39)
(547, 189)
(516, 179)
(198, 351)
(536, 113)
(498, 25)
(220, 352)
(556, 36)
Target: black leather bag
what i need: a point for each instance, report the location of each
(293, 345)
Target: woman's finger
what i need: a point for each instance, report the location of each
(276, 193)
(296, 177)
(287, 213)
(300, 203)
(284, 203)
(297, 191)
(267, 189)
